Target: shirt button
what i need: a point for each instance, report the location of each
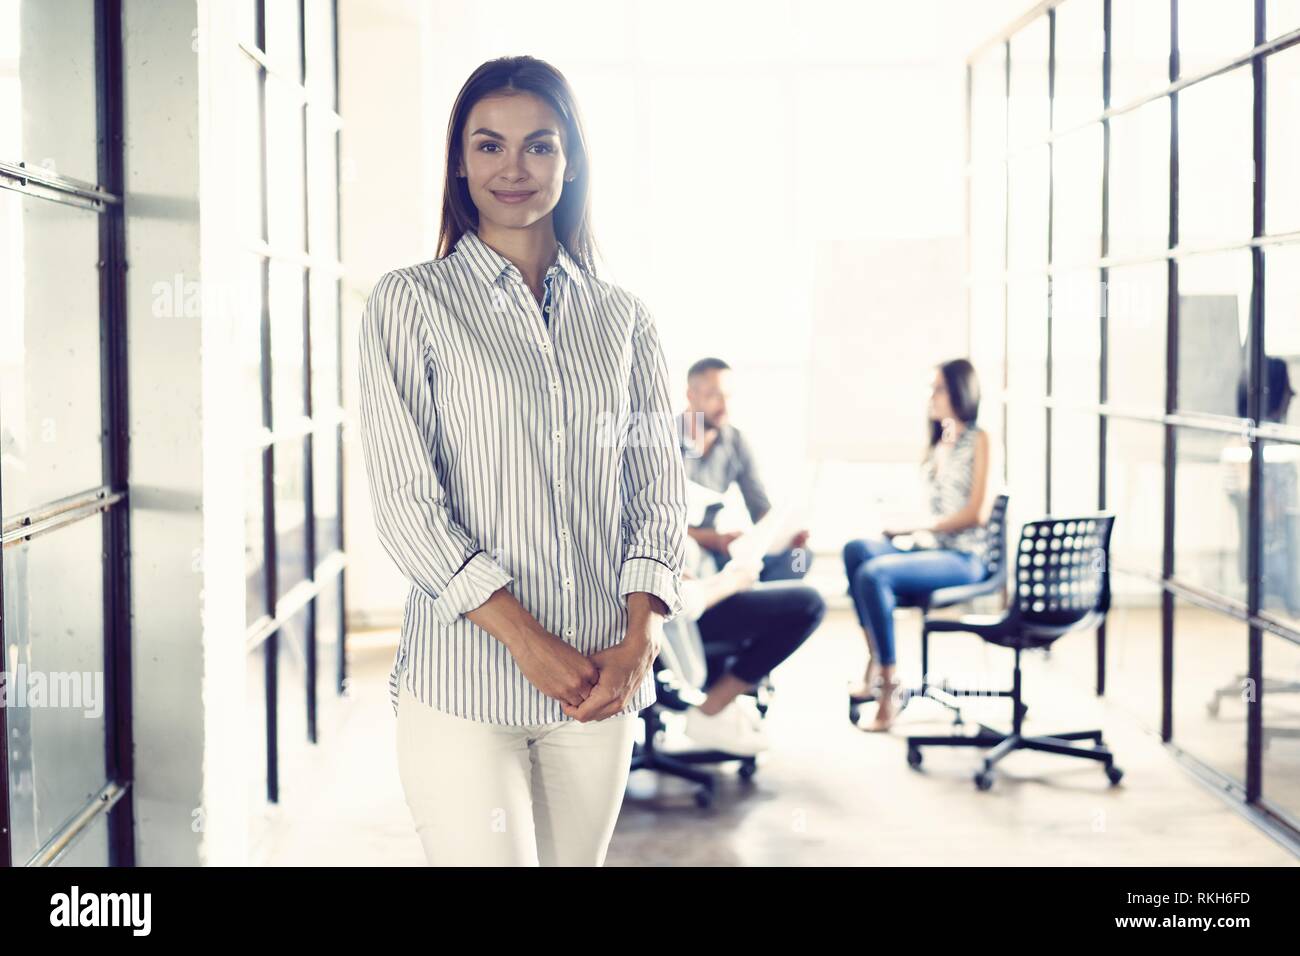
(568, 584)
(563, 533)
(559, 436)
(568, 632)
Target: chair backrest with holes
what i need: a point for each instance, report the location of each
(996, 535)
(1061, 571)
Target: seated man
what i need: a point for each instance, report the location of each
(768, 623)
(717, 454)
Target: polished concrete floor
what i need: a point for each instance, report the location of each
(826, 793)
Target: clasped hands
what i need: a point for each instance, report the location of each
(597, 686)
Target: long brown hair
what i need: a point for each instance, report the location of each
(963, 394)
(572, 214)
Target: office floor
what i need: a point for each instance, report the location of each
(826, 793)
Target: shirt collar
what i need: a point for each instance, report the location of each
(489, 265)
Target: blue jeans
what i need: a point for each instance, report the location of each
(879, 573)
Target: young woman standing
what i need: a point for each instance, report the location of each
(525, 476)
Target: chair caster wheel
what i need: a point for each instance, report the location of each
(914, 758)
(1114, 775)
(855, 711)
(748, 769)
(704, 798)
(1212, 708)
(984, 780)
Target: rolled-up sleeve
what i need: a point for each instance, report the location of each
(398, 427)
(654, 478)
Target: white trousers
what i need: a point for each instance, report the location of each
(498, 795)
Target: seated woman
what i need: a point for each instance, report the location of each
(955, 469)
(768, 621)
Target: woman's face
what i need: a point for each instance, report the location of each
(514, 160)
(940, 406)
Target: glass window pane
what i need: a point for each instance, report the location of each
(1134, 645)
(284, 167)
(248, 150)
(1211, 486)
(989, 106)
(1026, 386)
(290, 515)
(988, 221)
(48, 52)
(291, 671)
(1026, 463)
(50, 401)
(324, 342)
(1210, 688)
(1139, 44)
(91, 848)
(322, 186)
(1281, 16)
(319, 43)
(1135, 491)
(331, 704)
(252, 275)
(56, 709)
(254, 536)
(1076, 336)
(325, 491)
(1282, 142)
(1211, 31)
(1281, 702)
(286, 292)
(1027, 229)
(1138, 220)
(988, 318)
(1280, 533)
(1076, 439)
(1213, 323)
(1282, 334)
(246, 21)
(1080, 40)
(1076, 202)
(1137, 314)
(1028, 109)
(1216, 172)
(284, 38)
(1027, 339)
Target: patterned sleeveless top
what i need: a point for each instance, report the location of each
(949, 489)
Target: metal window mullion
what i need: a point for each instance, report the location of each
(1171, 400)
(1051, 217)
(1255, 411)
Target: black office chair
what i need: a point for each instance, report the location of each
(1062, 584)
(685, 660)
(994, 582)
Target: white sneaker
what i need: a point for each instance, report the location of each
(729, 729)
(749, 707)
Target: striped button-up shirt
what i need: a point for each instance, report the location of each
(508, 447)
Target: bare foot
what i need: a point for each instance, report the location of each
(888, 708)
(869, 687)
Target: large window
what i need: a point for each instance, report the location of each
(66, 723)
(1151, 341)
(288, 180)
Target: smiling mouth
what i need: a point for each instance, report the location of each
(512, 196)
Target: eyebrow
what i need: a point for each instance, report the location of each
(535, 134)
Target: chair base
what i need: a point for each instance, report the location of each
(1001, 744)
(678, 764)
